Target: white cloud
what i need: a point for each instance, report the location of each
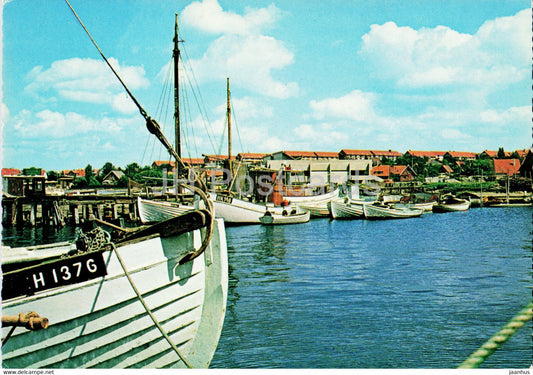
(249, 61)
(325, 132)
(87, 80)
(514, 115)
(454, 134)
(496, 54)
(4, 113)
(242, 51)
(357, 105)
(58, 125)
(209, 17)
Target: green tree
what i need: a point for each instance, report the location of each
(122, 182)
(90, 178)
(132, 171)
(108, 167)
(501, 153)
(52, 175)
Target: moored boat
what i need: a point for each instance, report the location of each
(317, 205)
(153, 211)
(236, 211)
(294, 217)
(382, 211)
(151, 297)
(425, 206)
(155, 298)
(347, 208)
(451, 204)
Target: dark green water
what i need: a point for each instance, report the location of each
(413, 293)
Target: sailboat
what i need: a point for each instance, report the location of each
(151, 210)
(233, 209)
(151, 297)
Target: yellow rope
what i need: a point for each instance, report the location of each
(480, 355)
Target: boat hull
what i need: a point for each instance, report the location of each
(101, 323)
(339, 209)
(426, 206)
(440, 208)
(317, 205)
(276, 219)
(155, 211)
(373, 212)
(236, 211)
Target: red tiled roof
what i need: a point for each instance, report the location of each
(388, 153)
(76, 172)
(326, 154)
(357, 152)
(219, 157)
(506, 166)
(398, 169)
(300, 154)
(494, 154)
(427, 154)
(447, 168)
(460, 154)
(522, 153)
(193, 161)
(388, 170)
(10, 172)
(159, 163)
(381, 171)
(251, 155)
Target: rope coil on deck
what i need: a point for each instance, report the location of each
(496, 341)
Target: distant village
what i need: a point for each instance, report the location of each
(309, 167)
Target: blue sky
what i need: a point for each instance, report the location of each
(305, 75)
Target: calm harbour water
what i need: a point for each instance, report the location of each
(413, 293)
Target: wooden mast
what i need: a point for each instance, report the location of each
(228, 114)
(177, 125)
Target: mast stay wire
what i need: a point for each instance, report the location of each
(191, 79)
(151, 124)
(163, 98)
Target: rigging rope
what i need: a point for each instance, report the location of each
(496, 341)
(148, 310)
(151, 124)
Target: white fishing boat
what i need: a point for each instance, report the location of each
(317, 205)
(451, 204)
(154, 299)
(239, 211)
(270, 218)
(153, 211)
(382, 211)
(425, 206)
(347, 208)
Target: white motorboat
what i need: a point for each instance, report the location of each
(317, 205)
(270, 218)
(451, 204)
(347, 208)
(382, 211)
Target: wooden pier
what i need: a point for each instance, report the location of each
(57, 211)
